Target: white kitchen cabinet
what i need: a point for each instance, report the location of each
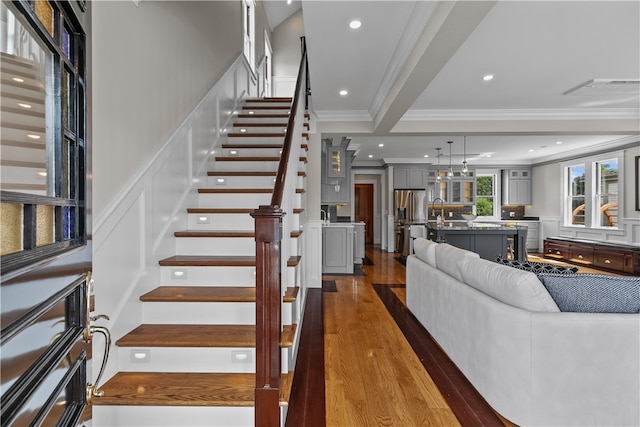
(337, 248)
(409, 178)
(358, 242)
(516, 187)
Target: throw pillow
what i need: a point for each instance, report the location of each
(537, 267)
(593, 293)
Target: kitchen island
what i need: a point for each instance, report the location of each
(342, 246)
(487, 240)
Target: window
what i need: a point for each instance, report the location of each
(591, 189)
(249, 31)
(486, 200)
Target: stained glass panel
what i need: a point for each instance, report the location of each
(11, 220)
(44, 12)
(44, 225)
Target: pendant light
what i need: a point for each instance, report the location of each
(450, 171)
(438, 179)
(465, 169)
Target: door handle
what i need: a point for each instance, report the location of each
(89, 331)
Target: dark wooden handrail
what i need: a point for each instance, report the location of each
(278, 190)
(268, 236)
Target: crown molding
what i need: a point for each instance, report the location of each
(343, 116)
(524, 114)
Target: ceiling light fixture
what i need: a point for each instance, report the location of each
(488, 77)
(23, 105)
(343, 92)
(32, 136)
(558, 142)
(355, 24)
(465, 169)
(380, 145)
(450, 171)
(438, 179)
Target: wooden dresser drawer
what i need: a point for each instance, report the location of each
(582, 253)
(556, 250)
(610, 259)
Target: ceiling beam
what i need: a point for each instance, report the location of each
(449, 26)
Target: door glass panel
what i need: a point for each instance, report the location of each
(27, 135)
(10, 228)
(44, 12)
(44, 225)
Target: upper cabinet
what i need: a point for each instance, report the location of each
(336, 162)
(459, 189)
(410, 178)
(516, 187)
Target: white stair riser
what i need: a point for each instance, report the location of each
(213, 200)
(215, 246)
(172, 416)
(204, 313)
(186, 359)
(241, 181)
(251, 152)
(259, 129)
(245, 166)
(208, 276)
(220, 222)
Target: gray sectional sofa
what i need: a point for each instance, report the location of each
(535, 365)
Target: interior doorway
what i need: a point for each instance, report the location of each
(364, 209)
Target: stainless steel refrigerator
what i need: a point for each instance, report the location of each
(409, 208)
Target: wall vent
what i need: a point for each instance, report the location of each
(607, 87)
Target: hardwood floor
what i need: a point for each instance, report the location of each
(380, 366)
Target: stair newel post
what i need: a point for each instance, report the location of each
(268, 236)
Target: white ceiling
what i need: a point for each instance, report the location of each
(414, 75)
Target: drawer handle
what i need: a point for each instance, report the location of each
(580, 256)
(606, 261)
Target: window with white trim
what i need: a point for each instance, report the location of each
(486, 199)
(591, 191)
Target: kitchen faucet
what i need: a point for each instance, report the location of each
(441, 209)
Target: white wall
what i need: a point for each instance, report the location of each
(152, 64)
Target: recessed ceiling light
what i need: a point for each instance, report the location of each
(33, 136)
(558, 142)
(531, 150)
(288, 1)
(370, 155)
(42, 174)
(426, 155)
(18, 79)
(380, 145)
(488, 77)
(23, 105)
(355, 24)
(343, 92)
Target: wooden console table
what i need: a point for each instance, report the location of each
(609, 256)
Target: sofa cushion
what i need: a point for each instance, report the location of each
(511, 286)
(537, 267)
(425, 250)
(447, 257)
(594, 293)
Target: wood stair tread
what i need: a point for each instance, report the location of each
(241, 173)
(294, 261)
(208, 261)
(259, 124)
(247, 159)
(269, 99)
(180, 335)
(235, 190)
(209, 294)
(253, 146)
(185, 389)
(214, 233)
(220, 210)
(200, 294)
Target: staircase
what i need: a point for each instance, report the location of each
(192, 361)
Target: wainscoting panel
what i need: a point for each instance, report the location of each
(313, 253)
(134, 231)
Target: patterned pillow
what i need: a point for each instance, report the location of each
(537, 267)
(593, 293)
